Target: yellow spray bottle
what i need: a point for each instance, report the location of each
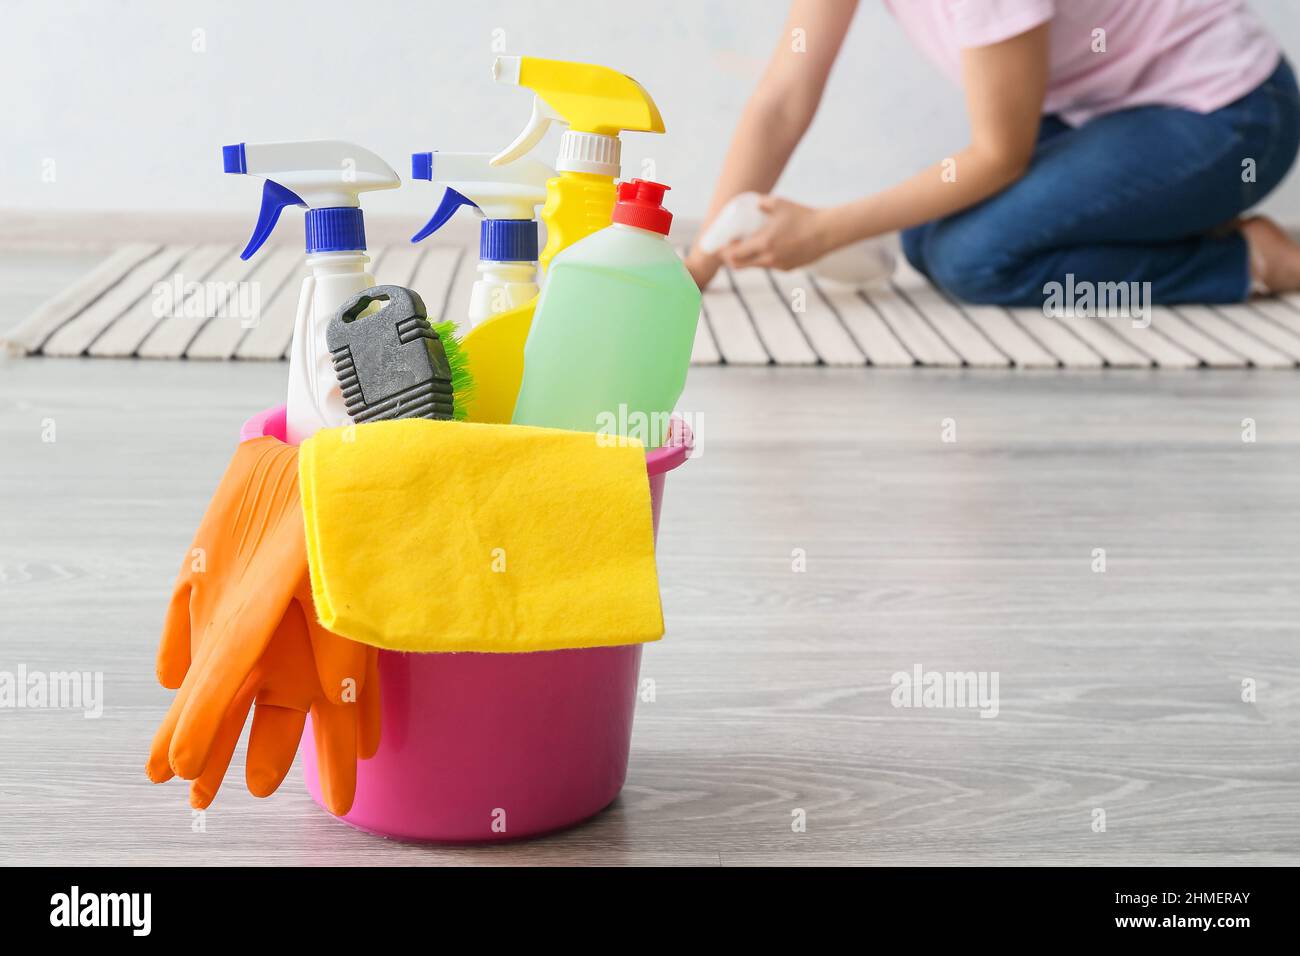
(596, 103)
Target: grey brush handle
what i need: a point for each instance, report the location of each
(390, 364)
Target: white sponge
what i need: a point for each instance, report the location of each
(859, 263)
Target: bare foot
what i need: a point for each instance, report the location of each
(1274, 256)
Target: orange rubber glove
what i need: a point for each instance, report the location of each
(241, 630)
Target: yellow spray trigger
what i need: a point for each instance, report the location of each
(587, 97)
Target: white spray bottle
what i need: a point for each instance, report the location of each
(506, 197)
(328, 178)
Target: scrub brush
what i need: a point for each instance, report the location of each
(462, 382)
(393, 363)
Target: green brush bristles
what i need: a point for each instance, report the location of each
(462, 382)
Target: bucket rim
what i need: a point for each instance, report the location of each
(678, 447)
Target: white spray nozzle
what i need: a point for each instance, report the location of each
(511, 191)
(505, 69)
(320, 175)
(323, 172)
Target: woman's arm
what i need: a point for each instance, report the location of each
(780, 109)
(1005, 84)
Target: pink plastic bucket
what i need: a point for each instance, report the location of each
(482, 747)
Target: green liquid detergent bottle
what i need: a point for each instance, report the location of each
(611, 340)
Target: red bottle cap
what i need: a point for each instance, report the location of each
(640, 204)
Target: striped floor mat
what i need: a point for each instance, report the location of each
(125, 307)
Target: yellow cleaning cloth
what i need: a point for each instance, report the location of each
(455, 536)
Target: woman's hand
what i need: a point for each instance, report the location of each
(702, 266)
(793, 236)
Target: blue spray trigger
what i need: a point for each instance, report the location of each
(451, 201)
(274, 198)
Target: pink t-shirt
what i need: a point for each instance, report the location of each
(1197, 54)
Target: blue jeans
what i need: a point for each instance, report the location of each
(1132, 196)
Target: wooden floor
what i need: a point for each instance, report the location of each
(1119, 692)
(754, 317)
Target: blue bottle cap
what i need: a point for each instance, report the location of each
(508, 240)
(335, 229)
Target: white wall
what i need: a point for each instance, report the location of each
(133, 118)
